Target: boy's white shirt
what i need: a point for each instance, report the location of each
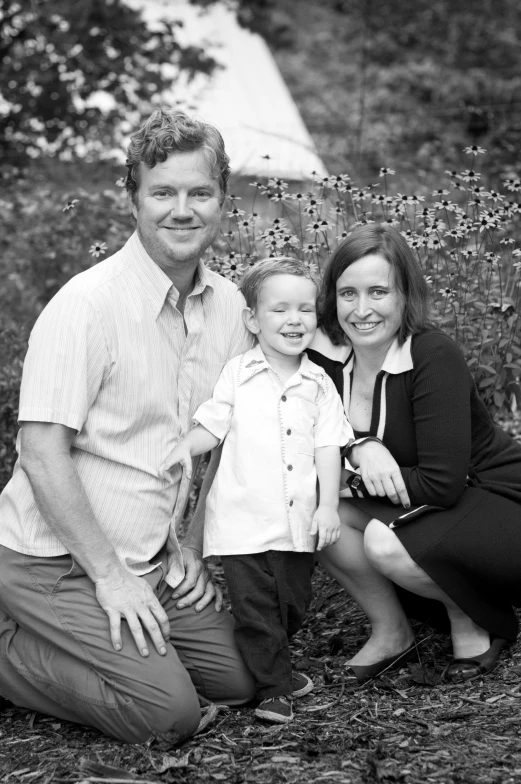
(265, 492)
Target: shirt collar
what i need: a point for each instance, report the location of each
(398, 358)
(323, 345)
(156, 283)
(254, 361)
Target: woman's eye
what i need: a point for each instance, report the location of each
(348, 294)
(379, 293)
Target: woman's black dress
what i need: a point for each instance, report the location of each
(428, 413)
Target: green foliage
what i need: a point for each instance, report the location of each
(466, 236)
(382, 82)
(467, 239)
(55, 57)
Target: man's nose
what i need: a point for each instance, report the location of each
(181, 208)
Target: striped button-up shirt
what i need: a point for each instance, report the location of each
(112, 358)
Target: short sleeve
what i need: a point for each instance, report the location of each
(216, 414)
(65, 363)
(332, 428)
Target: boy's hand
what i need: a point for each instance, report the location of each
(180, 454)
(326, 523)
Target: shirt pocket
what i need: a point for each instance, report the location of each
(307, 415)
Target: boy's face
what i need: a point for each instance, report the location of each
(285, 319)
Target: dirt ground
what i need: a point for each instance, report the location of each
(403, 727)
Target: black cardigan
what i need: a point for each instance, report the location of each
(436, 426)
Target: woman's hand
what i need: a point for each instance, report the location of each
(380, 472)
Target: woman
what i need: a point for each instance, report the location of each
(444, 518)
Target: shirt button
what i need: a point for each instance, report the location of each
(291, 503)
(288, 432)
(284, 398)
(290, 468)
(356, 481)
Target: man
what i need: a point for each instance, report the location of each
(104, 618)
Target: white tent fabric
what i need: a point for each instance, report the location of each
(247, 99)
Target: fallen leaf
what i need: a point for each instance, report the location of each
(284, 758)
(169, 762)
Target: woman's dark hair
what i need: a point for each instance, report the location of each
(389, 243)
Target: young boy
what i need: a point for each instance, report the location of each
(282, 423)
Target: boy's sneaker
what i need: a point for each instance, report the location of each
(275, 709)
(301, 684)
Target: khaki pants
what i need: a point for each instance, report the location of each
(56, 656)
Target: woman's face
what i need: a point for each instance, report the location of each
(369, 304)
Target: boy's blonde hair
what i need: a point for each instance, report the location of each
(253, 280)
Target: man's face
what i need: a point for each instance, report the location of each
(178, 209)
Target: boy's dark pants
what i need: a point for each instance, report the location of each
(269, 593)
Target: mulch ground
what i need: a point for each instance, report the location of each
(402, 727)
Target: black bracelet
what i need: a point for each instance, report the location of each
(346, 451)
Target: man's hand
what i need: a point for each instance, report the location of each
(381, 473)
(326, 523)
(124, 595)
(196, 587)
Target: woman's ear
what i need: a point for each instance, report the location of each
(250, 321)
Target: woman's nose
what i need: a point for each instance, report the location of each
(363, 305)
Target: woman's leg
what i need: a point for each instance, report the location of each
(347, 562)
(390, 558)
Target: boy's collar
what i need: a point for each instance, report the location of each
(254, 361)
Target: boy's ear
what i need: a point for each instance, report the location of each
(250, 321)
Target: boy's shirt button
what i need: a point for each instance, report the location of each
(291, 503)
(290, 468)
(284, 398)
(288, 432)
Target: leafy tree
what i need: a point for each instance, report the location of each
(55, 57)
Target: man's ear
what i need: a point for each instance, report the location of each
(132, 207)
(250, 321)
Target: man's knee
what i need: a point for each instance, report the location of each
(171, 713)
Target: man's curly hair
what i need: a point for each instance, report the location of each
(165, 133)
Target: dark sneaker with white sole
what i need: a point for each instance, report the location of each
(301, 684)
(275, 709)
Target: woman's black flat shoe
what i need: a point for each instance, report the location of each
(364, 672)
(466, 669)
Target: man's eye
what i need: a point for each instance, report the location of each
(161, 194)
(201, 194)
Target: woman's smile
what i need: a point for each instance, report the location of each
(365, 326)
